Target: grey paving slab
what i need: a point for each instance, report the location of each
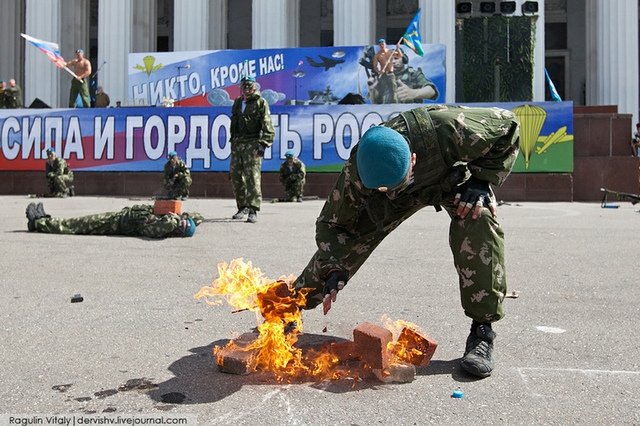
(566, 353)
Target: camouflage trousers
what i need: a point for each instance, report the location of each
(180, 188)
(244, 172)
(82, 89)
(387, 89)
(97, 224)
(58, 184)
(293, 190)
(477, 246)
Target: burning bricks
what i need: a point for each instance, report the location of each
(276, 348)
(372, 350)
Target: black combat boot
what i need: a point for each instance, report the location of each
(253, 216)
(478, 354)
(242, 212)
(40, 211)
(32, 216)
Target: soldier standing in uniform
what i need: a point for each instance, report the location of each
(14, 94)
(135, 221)
(292, 176)
(252, 133)
(102, 99)
(442, 156)
(4, 100)
(58, 175)
(176, 177)
(80, 84)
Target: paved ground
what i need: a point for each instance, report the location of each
(567, 352)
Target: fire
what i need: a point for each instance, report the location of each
(278, 310)
(245, 288)
(408, 345)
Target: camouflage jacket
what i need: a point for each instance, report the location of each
(139, 220)
(169, 172)
(483, 140)
(297, 172)
(415, 79)
(58, 168)
(254, 123)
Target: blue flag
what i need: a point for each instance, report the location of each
(552, 89)
(411, 37)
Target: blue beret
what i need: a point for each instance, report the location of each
(172, 154)
(248, 78)
(289, 154)
(50, 150)
(382, 41)
(191, 228)
(383, 158)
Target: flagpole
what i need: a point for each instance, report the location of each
(70, 72)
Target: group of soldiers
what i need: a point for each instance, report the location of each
(438, 155)
(11, 95)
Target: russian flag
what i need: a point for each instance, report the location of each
(48, 48)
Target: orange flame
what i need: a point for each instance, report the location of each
(273, 349)
(245, 288)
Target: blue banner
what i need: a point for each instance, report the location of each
(138, 139)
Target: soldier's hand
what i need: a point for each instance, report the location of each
(259, 151)
(336, 280)
(404, 92)
(473, 195)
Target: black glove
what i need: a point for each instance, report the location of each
(473, 191)
(260, 150)
(336, 280)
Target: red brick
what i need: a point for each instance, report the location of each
(234, 361)
(371, 343)
(418, 349)
(344, 351)
(398, 373)
(167, 207)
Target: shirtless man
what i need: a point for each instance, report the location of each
(386, 80)
(80, 85)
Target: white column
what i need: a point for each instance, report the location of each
(218, 24)
(612, 54)
(438, 26)
(42, 77)
(353, 22)
(539, 79)
(144, 26)
(269, 24)
(114, 40)
(190, 25)
(293, 23)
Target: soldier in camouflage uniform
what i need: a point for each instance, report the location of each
(252, 133)
(292, 176)
(58, 175)
(176, 177)
(412, 86)
(135, 221)
(442, 156)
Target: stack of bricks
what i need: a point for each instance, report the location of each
(372, 344)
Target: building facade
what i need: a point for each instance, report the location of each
(589, 47)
